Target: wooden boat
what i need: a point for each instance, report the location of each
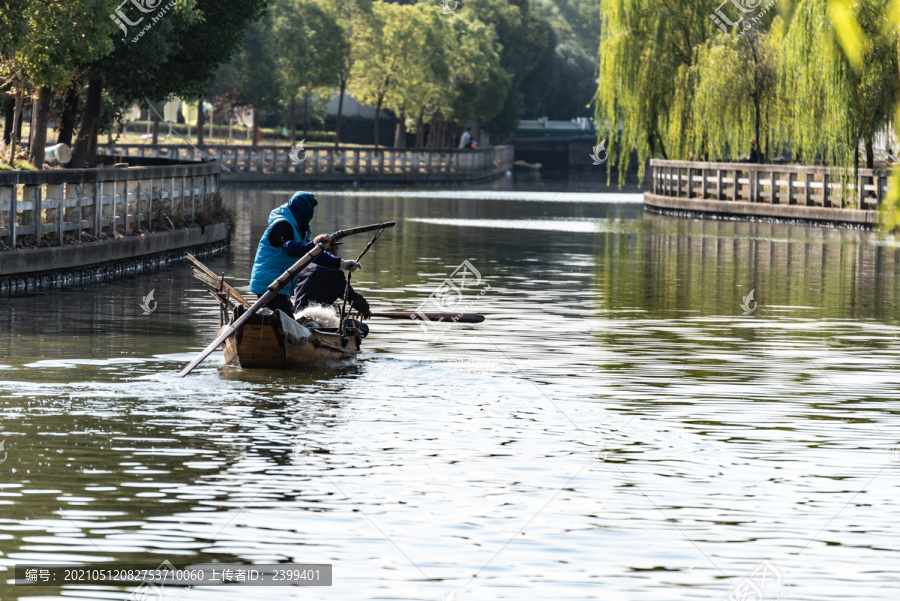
(273, 340)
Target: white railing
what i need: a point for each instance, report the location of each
(769, 184)
(39, 208)
(336, 163)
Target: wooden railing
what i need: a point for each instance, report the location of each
(769, 184)
(38, 208)
(345, 162)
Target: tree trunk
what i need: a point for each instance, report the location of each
(294, 121)
(86, 142)
(200, 118)
(420, 131)
(377, 117)
(14, 137)
(305, 114)
(400, 132)
(20, 122)
(255, 142)
(340, 113)
(756, 102)
(434, 132)
(9, 120)
(155, 139)
(659, 144)
(39, 120)
(25, 102)
(67, 118)
(870, 154)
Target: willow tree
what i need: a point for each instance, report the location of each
(737, 96)
(646, 84)
(841, 75)
(875, 86)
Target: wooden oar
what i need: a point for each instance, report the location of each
(274, 288)
(457, 317)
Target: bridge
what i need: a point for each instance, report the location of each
(557, 145)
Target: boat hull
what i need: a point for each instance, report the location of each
(272, 340)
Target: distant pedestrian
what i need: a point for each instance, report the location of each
(466, 140)
(754, 151)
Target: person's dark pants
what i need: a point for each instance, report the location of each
(281, 302)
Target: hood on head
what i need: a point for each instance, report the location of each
(303, 207)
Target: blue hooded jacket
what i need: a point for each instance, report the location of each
(271, 261)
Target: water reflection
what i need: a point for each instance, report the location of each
(618, 427)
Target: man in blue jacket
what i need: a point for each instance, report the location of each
(285, 240)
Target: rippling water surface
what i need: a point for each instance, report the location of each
(619, 428)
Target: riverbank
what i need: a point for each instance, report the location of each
(41, 269)
(77, 225)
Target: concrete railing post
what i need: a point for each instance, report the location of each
(33, 193)
(13, 235)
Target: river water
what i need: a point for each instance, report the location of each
(627, 424)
